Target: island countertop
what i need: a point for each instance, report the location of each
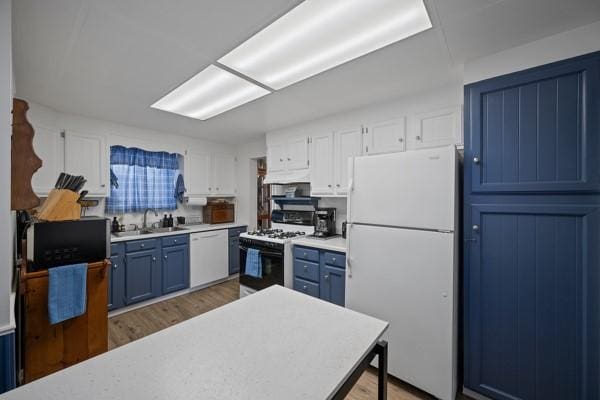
(275, 344)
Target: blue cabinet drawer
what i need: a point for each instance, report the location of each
(306, 270)
(117, 248)
(306, 287)
(237, 231)
(175, 240)
(335, 259)
(138, 245)
(306, 253)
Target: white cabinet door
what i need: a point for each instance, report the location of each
(321, 167)
(385, 136)
(276, 157)
(348, 143)
(438, 128)
(48, 145)
(297, 153)
(223, 183)
(88, 155)
(197, 172)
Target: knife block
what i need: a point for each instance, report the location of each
(61, 205)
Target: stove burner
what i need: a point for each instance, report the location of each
(265, 232)
(286, 235)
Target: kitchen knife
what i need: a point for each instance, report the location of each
(59, 181)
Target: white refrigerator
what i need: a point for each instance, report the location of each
(402, 260)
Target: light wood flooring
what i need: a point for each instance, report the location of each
(133, 325)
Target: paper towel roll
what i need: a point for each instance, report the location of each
(196, 201)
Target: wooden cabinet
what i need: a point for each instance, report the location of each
(531, 218)
(142, 275)
(329, 161)
(385, 136)
(116, 277)
(49, 146)
(209, 175)
(287, 154)
(438, 128)
(175, 268)
(320, 273)
(88, 155)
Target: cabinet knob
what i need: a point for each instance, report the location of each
(306, 268)
(153, 258)
(175, 241)
(289, 159)
(115, 266)
(476, 160)
(304, 254)
(333, 259)
(281, 160)
(142, 245)
(328, 185)
(305, 288)
(218, 189)
(103, 185)
(209, 188)
(475, 228)
(165, 257)
(418, 138)
(338, 185)
(326, 277)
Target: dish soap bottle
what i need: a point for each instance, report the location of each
(170, 220)
(115, 225)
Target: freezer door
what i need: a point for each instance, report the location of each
(408, 278)
(411, 189)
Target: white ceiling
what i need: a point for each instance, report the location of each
(112, 59)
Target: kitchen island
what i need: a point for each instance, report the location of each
(275, 344)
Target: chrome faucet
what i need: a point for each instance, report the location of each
(145, 225)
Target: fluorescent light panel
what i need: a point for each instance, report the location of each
(208, 93)
(320, 34)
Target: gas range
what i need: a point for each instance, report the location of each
(277, 234)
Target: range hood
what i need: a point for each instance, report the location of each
(300, 176)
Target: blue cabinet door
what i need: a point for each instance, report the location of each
(116, 277)
(536, 130)
(142, 275)
(234, 255)
(532, 301)
(8, 367)
(333, 285)
(175, 269)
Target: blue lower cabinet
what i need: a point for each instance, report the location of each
(8, 376)
(175, 268)
(116, 277)
(142, 275)
(320, 273)
(333, 285)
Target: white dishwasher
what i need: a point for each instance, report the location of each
(209, 257)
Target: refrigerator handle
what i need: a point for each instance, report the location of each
(348, 249)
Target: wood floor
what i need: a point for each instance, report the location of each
(133, 325)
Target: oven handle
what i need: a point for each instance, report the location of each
(267, 253)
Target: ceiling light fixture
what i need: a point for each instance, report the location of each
(208, 93)
(318, 35)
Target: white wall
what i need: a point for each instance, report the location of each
(246, 180)
(40, 115)
(576, 42)
(6, 241)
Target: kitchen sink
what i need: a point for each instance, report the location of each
(148, 231)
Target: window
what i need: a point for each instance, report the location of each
(141, 179)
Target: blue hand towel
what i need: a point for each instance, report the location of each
(180, 188)
(253, 263)
(66, 292)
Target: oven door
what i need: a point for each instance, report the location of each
(272, 267)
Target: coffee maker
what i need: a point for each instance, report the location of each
(324, 222)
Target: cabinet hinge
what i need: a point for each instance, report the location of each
(308, 162)
(185, 152)
(366, 148)
(62, 133)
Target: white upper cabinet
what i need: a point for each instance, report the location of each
(385, 136)
(329, 155)
(48, 145)
(321, 169)
(197, 174)
(223, 168)
(88, 155)
(297, 153)
(438, 128)
(287, 154)
(348, 143)
(209, 175)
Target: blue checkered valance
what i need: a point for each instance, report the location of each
(144, 179)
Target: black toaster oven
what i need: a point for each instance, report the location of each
(51, 244)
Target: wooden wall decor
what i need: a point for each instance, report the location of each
(24, 161)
